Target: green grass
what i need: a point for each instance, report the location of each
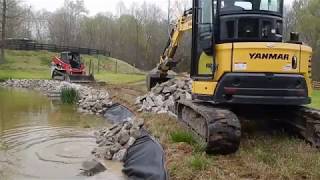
(316, 99)
(24, 74)
(198, 162)
(119, 78)
(69, 96)
(36, 65)
(183, 136)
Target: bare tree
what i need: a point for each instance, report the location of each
(3, 30)
(11, 16)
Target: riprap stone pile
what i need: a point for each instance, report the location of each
(162, 98)
(114, 142)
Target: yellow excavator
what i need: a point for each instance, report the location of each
(239, 59)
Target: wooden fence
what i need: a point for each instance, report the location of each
(316, 85)
(34, 46)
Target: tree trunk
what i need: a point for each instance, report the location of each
(3, 32)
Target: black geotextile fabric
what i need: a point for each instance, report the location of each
(145, 160)
(118, 113)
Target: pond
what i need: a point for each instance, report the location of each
(40, 138)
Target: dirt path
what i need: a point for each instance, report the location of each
(127, 94)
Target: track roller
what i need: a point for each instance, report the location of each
(218, 127)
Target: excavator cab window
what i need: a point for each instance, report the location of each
(250, 21)
(274, 6)
(203, 38)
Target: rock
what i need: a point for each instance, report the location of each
(123, 137)
(138, 122)
(91, 168)
(103, 152)
(149, 101)
(157, 89)
(158, 100)
(181, 84)
(105, 142)
(131, 141)
(135, 132)
(166, 90)
(169, 102)
(127, 126)
(114, 131)
(119, 156)
(188, 96)
(115, 148)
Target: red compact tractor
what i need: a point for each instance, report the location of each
(68, 67)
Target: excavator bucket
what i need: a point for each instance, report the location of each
(154, 77)
(80, 78)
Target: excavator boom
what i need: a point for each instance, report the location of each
(160, 73)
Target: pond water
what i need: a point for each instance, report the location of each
(42, 139)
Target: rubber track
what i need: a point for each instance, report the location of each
(311, 129)
(223, 128)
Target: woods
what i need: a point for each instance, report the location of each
(304, 17)
(136, 33)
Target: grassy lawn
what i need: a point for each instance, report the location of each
(119, 78)
(24, 74)
(36, 65)
(316, 99)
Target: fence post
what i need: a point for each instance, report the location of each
(90, 63)
(116, 66)
(98, 63)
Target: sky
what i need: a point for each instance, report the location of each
(96, 6)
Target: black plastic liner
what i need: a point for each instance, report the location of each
(145, 159)
(118, 113)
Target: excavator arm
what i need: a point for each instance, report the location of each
(183, 24)
(160, 73)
